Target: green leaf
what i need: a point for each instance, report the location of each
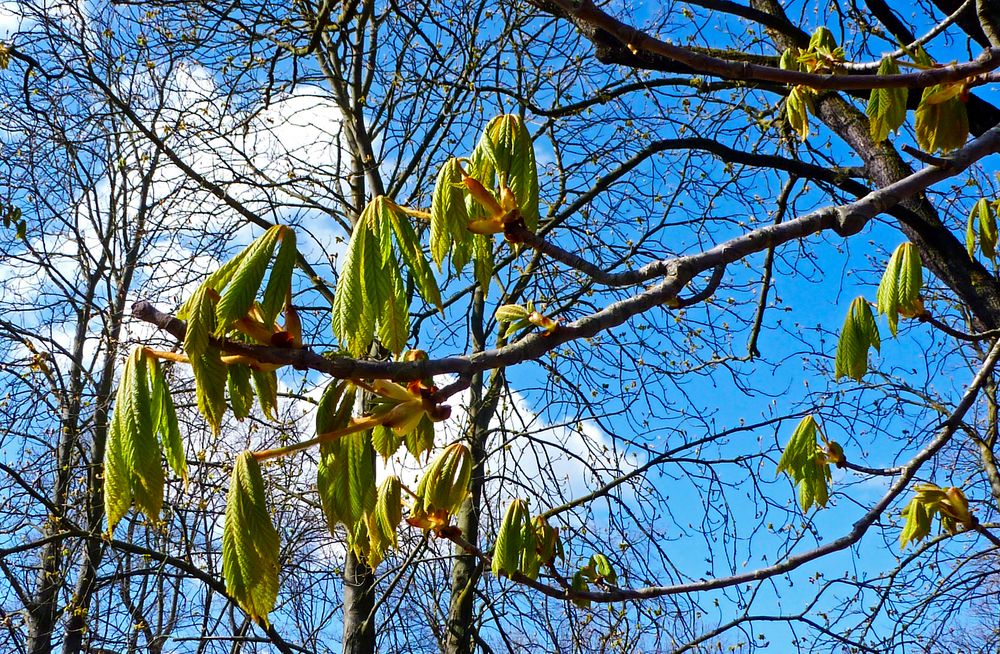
(132, 455)
(449, 216)
(335, 407)
(210, 379)
(858, 334)
(240, 390)
(798, 106)
(117, 482)
(385, 441)
(142, 451)
(508, 546)
(413, 257)
(482, 254)
(332, 484)
(513, 156)
(940, 126)
(280, 280)
(394, 318)
(165, 422)
(886, 107)
(421, 439)
(360, 455)
(802, 461)
(349, 311)
(266, 385)
(987, 229)
(911, 281)
(250, 544)
(200, 323)
(379, 215)
(239, 294)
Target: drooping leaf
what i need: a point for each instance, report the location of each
(512, 154)
(385, 441)
(857, 335)
(165, 421)
(421, 439)
(941, 125)
(899, 290)
(803, 461)
(413, 257)
(210, 377)
(332, 484)
(508, 546)
(353, 322)
(449, 217)
(886, 107)
(798, 106)
(335, 407)
(240, 390)
(141, 449)
(200, 322)
(280, 279)
(265, 382)
(358, 451)
(482, 254)
(250, 543)
(394, 318)
(117, 482)
(982, 220)
(949, 504)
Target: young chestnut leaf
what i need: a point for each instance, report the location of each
(507, 551)
(249, 542)
(942, 121)
(886, 108)
(949, 504)
(804, 461)
(857, 335)
(899, 290)
(982, 220)
(132, 468)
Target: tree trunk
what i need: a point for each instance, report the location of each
(359, 601)
(466, 570)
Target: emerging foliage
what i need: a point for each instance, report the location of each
(982, 221)
(371, 297)
(806, 464)
(949, 504)
(899, 290)
(886, 108)
(249, 542)
(857, 335)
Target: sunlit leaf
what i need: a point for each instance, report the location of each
(250, 542)
(802, 460)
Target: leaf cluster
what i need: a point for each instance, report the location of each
(857, 335)
(807, 465)
(143, 426)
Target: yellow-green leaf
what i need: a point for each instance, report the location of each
(857, 335)
(449, 216)
(266, 385)
(239, 294)
(240, 390)
(802, 461)
(508, 546)
(250, 542)
(886, 107)
(279, 281)
(210, 377)
(941, 126)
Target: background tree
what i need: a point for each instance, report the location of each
(647, 425)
